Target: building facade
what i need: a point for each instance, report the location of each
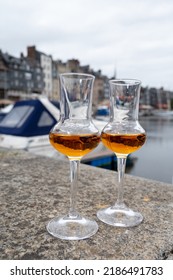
(18, 77)
(38, 73)
(45, 62)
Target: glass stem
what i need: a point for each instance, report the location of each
(74, 171)
(121, 164)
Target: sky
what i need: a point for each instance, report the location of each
(133, 38)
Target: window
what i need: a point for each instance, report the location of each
(17, 116)
(28, 76)
(16, 74)
(45, 120)
(16, 83)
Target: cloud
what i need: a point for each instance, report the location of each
(133, 36)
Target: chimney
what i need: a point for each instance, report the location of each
(31, 52)
(21, 55)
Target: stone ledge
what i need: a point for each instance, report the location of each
(34, 189)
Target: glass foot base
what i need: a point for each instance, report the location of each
(120, 216)
(72, 228)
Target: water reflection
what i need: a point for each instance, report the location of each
(155, 158)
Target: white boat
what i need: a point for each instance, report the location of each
(28, 124)
(164, 114)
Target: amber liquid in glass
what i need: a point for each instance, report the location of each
(123, 143)
(74, 145)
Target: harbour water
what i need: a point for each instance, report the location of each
(155, 159)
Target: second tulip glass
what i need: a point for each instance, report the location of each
(123, 135)
(74, 136)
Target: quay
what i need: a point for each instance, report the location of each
(34, 189)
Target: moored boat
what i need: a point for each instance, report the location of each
(165, 114)
(27, 127)
(28, 124)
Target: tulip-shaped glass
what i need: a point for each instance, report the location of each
(123, 135)
(74, 135)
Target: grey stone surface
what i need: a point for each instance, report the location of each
(34, 189)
